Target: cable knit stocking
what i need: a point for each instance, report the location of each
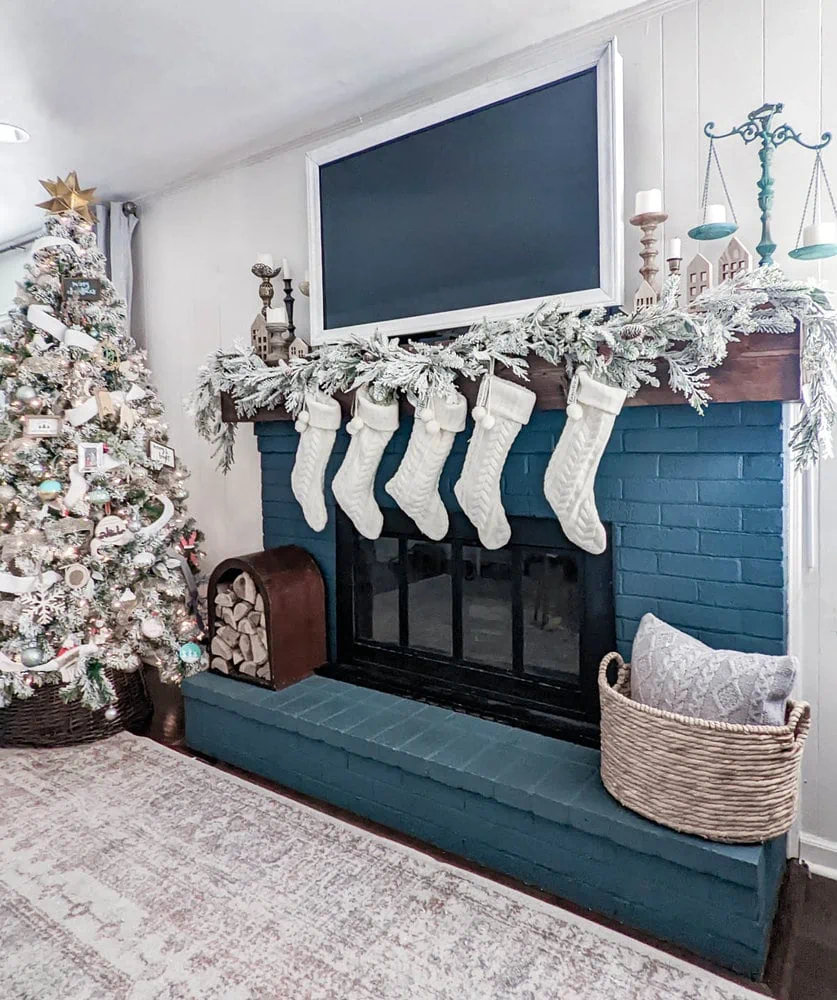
(317, 423)
(502, 409)
(415, 486)
(354, 485)
(568, 484)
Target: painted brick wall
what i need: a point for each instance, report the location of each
(696, 504)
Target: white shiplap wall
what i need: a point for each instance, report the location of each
(684, 63)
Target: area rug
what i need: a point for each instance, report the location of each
(129, 871)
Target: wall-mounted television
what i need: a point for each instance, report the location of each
(480, 205)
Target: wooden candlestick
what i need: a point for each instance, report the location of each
(648, 223)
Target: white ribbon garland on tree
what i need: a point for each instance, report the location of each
(69, 336)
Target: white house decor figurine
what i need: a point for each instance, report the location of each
(371, 428)
(502, 409)
(415, 486)
(699, 277)
(734, 260)
(297, 349)
(592, 408)
(317, 423)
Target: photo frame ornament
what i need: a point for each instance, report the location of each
(91, 456)
(161, 454)
(41, 426)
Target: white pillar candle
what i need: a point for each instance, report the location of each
(265, 258)
(648, 201)
(716, 213)
(286, 269)
(819, 232)
(674, 249)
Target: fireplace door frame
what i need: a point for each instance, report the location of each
(565, 709)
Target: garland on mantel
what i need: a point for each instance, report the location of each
(620, 350)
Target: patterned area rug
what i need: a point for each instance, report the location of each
(129, 871)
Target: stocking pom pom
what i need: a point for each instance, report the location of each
(488, 422)
(574, 411)
(304, 417)
(478, 413)
(433, 427)
(300, 426)
(354, 425)
(426, 414)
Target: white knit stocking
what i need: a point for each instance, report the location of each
(502, 409)
(568, 484)
(354, 485)
(317, 423)
(415, 486)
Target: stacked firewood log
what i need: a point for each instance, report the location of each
(240, 641)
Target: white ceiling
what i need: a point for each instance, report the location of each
(136, 94)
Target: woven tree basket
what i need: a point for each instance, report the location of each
(44, 720)
(718, 780)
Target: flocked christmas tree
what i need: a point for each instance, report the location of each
(98, 556)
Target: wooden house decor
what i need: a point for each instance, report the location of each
(267, 617)
(736, 259)
(269, 335)
(699, 277)
(297, 349)
(644, 296)
(260, 338)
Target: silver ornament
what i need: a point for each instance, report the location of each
(32, 656)
(25, 392)
(7, 493)
(111, 713)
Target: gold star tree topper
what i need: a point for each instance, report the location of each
(67, 196)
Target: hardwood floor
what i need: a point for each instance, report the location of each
(815, 961)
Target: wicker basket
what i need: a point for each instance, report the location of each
(719, 780)
(44, 720)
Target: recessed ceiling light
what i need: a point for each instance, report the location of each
(13, 133)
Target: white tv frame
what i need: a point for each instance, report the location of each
(608, 63)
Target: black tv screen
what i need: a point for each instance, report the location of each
(495, 205)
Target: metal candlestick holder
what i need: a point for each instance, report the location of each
(648, 222)
(266, 275)
(289, 306)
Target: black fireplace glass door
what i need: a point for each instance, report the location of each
(515, 633)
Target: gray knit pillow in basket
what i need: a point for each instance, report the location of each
(673, 671)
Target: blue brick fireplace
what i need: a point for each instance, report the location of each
(696, 508)
(696, 505)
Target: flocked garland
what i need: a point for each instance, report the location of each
(620, 350)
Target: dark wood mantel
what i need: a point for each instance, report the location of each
(758, 368)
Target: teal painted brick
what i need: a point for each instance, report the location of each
(663, 440)
(760, 414)
(702, 516)
(626, 629)
(763, 467)
(660, 490)
(632, 513)
(741, 493)
(744, 596)
(640, 560)
(638, 416)
(699, 616)
(608, 489)
(635, 607)
(661, 539)
(746, 440)
(715, 415)
(739, 543)
(765, 521)
(648, 585)
(700, 466)
(762, 624)
(616, 444)
(767, 572)
(630, 466)
(699, 568)
(741, 643)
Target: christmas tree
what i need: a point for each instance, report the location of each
(98, 557)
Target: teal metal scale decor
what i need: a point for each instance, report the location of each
(759, 127)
